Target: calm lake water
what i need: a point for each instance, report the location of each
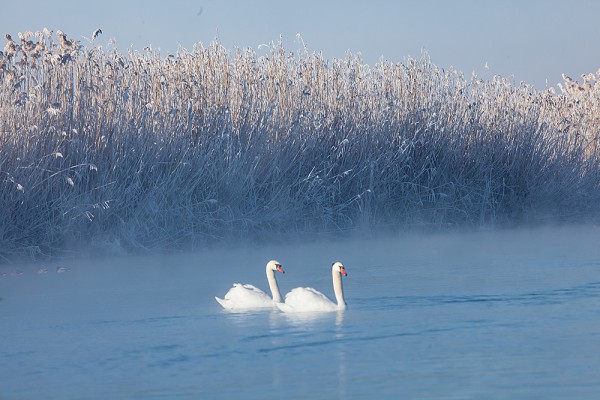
(495, 315)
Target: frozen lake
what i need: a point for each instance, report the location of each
(496, 315)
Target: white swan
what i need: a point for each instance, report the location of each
(310, 300)
(248, 296)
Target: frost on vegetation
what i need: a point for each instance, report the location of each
(199, 146)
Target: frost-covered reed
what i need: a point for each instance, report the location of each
(140, 150)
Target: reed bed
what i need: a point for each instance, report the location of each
(141, 151)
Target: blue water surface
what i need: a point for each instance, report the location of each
(495, 315)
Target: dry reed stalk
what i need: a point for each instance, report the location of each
(143, 151)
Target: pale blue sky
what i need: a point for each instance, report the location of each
(534, 41)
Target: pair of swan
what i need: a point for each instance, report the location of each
(298, 300)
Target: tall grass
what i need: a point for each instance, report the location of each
(144, 151)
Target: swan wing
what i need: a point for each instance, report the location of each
(245, 297)
(285, 307)
(307, 299)
(225, 303)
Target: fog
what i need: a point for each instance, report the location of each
(198, 276)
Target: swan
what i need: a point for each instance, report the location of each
(248, 296)
(310, 300)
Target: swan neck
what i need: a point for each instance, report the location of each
(338, 289)
(273, 285)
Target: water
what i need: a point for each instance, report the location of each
(494, 315)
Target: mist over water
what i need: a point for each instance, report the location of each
(490, 314)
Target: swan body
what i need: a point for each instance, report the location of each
(245, 297)
(306, 299)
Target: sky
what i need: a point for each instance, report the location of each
(533, 41)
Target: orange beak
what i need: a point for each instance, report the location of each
(280, 269)
(343, 271)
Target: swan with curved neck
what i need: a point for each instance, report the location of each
(249, 296)
(306, 299)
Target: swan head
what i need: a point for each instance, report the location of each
(275, 266)
(339, 267)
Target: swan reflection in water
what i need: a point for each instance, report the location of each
(305, 320)
(304, 330)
